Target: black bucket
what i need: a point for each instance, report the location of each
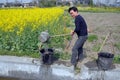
(105, 60)
(47, 56)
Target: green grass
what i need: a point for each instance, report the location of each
(117, 59)
(117, 45)
(13, 53)
(63, 56)
(103, 38)
(96, 9)
(96, 47)
(92, 38)
(99, 9)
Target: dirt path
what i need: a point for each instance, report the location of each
(101, 20)
(101, 24)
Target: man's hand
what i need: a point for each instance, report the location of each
(89, 30)
(72, 33)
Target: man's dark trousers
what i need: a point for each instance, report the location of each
(77, 50)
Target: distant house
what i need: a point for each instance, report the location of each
(64, 2)
(19, 3)
(107, 2)
(1, 5)
(84, 2)
(95, 2)
(29, 3)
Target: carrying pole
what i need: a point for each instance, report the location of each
(107, 36)
(103, 43)
(60, 35)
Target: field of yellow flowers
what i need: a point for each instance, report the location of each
(20, 28)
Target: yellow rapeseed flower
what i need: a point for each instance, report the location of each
(11, 18)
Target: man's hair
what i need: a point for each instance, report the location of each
(72, 8)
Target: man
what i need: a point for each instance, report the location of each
(82, 33)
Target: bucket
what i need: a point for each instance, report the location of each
(105, 60)
(47, 56)
(44, 36)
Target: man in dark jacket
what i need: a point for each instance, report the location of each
(82, 33)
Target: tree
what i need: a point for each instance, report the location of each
(47, 3)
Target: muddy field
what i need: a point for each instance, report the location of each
(100, 25)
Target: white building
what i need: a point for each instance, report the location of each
(107, 2)
(24, 1)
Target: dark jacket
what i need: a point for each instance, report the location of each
(81, 26)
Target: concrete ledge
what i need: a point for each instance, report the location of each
(23, 68)
(90, 71)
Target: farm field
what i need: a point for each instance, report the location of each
(20, 28)
(100, 25)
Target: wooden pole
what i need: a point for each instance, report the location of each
(104, 42)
